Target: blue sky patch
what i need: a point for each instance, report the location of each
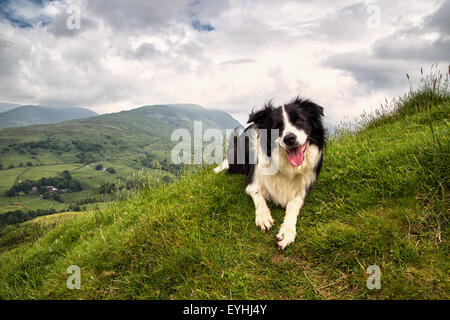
(16, 20)
(202, 27)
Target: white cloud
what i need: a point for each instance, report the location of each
(133, 53)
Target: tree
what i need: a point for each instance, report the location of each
(107, 188)
(75, 186)
(42, 189)
(66, 175)
(10, 193)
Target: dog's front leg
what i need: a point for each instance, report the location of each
(263, 218)
(287, 232)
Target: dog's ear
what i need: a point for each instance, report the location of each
(260, 116)
(318, 108)
(309, 105)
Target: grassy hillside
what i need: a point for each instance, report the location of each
(30, 115)
(382, 198)
(14, 235)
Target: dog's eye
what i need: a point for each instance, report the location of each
(299, 122)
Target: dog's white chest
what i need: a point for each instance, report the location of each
(280, 189)
(289, 182)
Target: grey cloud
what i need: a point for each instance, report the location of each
(411, 44)
(146, 50)
(155, 15)
(251, 34)
(373, 73)
(58, 26)
(178, 57)
(11, 53)
(391, 57)
(346, 24)
(136, 14)
(409, 47)
(207, 9)
(8, 58)
(440, 20)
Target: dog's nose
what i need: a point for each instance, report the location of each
(289, 139)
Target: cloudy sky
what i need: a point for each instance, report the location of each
(231, 55)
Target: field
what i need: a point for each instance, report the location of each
(89, 177)
(8, 177)
(381, 199)
(34, 173)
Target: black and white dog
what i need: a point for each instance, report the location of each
(281, 156)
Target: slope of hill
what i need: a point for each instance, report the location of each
(32, 115)
(381, 199)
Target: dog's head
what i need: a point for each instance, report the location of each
(298, 124)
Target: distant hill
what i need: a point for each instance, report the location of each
(209, 117)
(138, 131)
(31, 115)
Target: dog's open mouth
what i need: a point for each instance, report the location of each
(297, 155)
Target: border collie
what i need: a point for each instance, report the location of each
(281, 155)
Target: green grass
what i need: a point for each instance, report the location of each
(8, 177)
(382, 198)
(57, 218)
(13, 236)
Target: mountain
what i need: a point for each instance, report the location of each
(138, 131)
(30, 115)
(209, 117)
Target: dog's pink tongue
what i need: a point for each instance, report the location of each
(295, 156)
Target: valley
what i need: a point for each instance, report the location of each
(128, 142)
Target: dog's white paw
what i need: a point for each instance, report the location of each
(264, 219)
(286, 235)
